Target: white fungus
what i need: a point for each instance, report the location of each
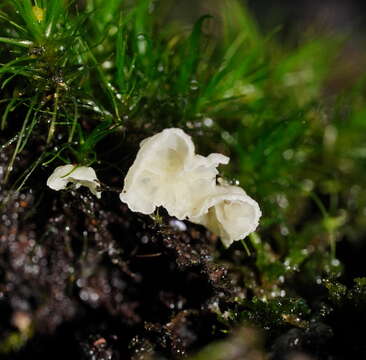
(168, 173)
(229, 212)
(77, 175)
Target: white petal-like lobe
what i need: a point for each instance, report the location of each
(168, 173)
(78, 175)
(230, 213)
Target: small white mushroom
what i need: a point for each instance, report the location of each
(168, 173)
(229, 212)
(78, 175)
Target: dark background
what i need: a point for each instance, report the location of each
(335, 14)
(294, 15)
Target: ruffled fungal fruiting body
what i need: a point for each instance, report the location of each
(168, 173)
(77, 175)
(229, 212)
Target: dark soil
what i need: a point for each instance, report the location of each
(87, 279)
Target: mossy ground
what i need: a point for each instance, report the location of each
(85, 278)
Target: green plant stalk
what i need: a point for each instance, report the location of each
(21, 43)
(52, 128)
(18, 145)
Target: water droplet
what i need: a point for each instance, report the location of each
(284, 230)
(107, 64)
(84, 295)
(208, 122)
(142, 43)
(178, 225)
(194, 85)
(144, 239)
